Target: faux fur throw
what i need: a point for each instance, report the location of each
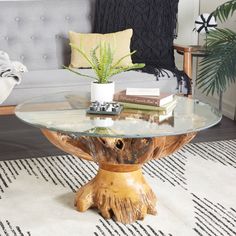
(153, 23)
(10, 74)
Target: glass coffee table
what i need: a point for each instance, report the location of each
(120, 145)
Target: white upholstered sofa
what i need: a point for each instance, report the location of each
(36, 33)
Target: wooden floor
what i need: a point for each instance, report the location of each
(18, 140)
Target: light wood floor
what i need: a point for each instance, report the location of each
(18, 140)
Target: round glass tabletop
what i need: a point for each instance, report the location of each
(66, 113)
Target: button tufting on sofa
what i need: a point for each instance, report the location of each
(42, 18)
(17, 19)
(68, 18)
(49, 23)
(45, 57)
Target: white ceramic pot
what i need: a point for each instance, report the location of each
(103, 123)
(102, 92)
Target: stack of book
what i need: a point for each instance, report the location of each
(164, 103)
(150, 116)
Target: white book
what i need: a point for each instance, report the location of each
(143, 91)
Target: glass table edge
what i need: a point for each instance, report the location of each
(80, 134)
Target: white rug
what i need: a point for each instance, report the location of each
(196, 190)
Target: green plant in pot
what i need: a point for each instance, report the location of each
(101, 60)
(218, 67)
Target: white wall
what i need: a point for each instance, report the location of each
(188, 12)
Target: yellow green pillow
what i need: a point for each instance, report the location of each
(119, 41)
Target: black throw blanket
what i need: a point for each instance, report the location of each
(153, 23)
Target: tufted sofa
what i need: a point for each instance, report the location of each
(36, 33)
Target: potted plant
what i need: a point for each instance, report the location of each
(101, 61)
(218, 67)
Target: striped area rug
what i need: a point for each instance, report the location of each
(196, 190)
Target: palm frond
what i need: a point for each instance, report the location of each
(102, 64)
(109, 61)
(116, 64)
(218, 68)
(127, 68)
(95, 60)
(78, 73)
(225, 10)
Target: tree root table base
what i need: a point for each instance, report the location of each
(119, 189)
(126, 195)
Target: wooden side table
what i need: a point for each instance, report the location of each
(189, 52)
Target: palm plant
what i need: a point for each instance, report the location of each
(102, 62)
(218, 67)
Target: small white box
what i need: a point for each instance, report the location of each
(143, 91)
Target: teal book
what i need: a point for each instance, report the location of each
(165, 108)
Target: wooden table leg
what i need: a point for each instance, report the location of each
(188, 61)
(119, 188)
(124, 195)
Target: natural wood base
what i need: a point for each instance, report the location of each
(118, 150)
(119, 188)
(124, 195)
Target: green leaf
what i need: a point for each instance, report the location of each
(225, 10)
(127, 68)
(218, 67)
(102, 63)
(95, 61)
(116, 64)
(78, 73)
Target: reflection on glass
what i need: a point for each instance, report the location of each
(102, 121)
(66, 112)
